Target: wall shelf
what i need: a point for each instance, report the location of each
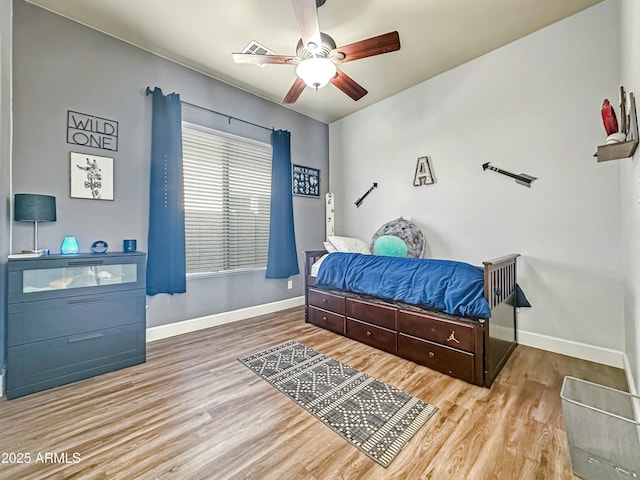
(616, 151)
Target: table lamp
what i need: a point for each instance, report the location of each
(30, 207)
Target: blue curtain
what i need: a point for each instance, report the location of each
(283, 257)
(166, 263)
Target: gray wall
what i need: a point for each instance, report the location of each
(5, 162)
(59, 65)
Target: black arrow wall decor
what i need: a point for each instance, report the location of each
(522, 178)
(360, 200)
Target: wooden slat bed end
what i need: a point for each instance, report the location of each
(500, 279)
(311, 257)
(500, 260)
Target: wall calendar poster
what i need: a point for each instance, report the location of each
(306, 181)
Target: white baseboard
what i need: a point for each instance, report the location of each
(606, 356)
(186, 326)
(1, 384)
(627, 368)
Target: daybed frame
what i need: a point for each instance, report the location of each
(473, 349)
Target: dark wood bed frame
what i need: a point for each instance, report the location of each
(472, 349)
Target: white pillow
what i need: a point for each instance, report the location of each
(329, 247)
(349, 245)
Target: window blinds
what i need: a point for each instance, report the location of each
(227, 195)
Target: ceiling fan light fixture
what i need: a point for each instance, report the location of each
(316, 72)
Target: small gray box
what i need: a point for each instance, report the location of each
(603, 430)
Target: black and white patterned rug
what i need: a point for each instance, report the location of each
(373, 416)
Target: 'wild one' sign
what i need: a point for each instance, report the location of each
(92, 131)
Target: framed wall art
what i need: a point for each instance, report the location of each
(306, 181)
(91, 176)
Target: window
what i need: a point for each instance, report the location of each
(227, 196)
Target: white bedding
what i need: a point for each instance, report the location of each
(316, 266)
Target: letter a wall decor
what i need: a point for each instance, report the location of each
(423, 175)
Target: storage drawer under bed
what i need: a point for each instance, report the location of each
(453, 334)
(439, 357)
(371, 335)
(325, 319)
(381, 315)
(326, 301)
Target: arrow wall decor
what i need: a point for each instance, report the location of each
(361, 199)
(522, 178)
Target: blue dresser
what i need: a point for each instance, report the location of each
(71, 317)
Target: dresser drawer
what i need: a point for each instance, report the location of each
(60, 276)
(40, 365)
(381, 315)
(371, 335)
(48, 319)
(450, 333)
(330, 321)
(444, 359)
(326, 301)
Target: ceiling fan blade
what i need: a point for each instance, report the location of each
(307, 15)
(264, 59)
(388, 42)
(349, 86)
(295, 91)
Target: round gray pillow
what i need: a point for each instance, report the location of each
(407, 231)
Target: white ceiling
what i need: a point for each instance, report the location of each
(435, 35)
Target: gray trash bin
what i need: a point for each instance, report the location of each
(603, 430)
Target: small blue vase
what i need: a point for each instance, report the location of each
(69, 246)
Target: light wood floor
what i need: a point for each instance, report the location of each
(194, 412)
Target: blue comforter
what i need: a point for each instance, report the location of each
(453, 287)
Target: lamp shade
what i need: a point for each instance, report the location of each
(31, 207)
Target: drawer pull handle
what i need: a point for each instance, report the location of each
(85, 300)
(432, 355)
(87, 336)
(324, 300)
(324, 319)
(84, 263)
(368, 333)
(452, 337)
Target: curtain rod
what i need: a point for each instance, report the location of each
(230, 117)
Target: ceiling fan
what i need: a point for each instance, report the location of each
(317, 55)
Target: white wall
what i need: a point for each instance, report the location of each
(630, 181)
(532, 106)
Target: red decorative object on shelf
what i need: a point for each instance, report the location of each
(609, 117)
